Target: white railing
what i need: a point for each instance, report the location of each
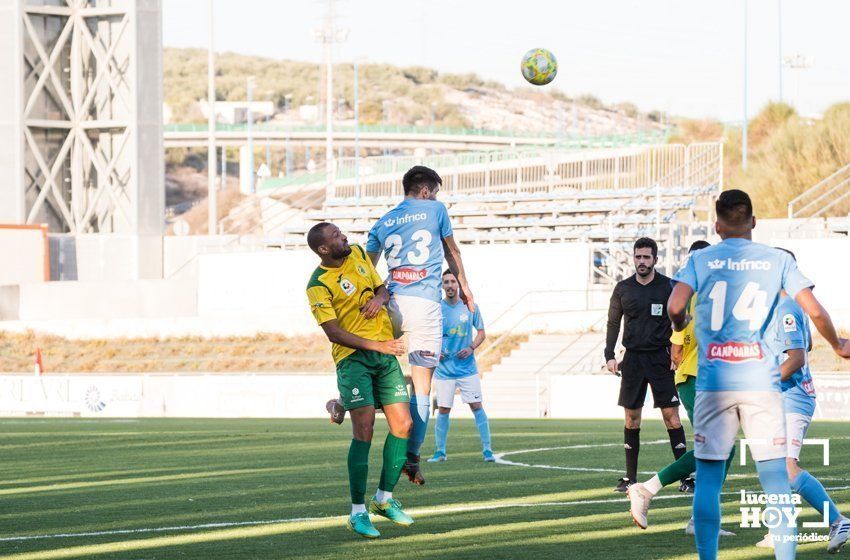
(819, 199)
(535, 171)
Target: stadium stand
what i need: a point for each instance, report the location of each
(607, 196)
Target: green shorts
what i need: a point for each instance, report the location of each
(369, 378)
(687, 392)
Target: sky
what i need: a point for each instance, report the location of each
(684, 57)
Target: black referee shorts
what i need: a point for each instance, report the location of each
(647, 368)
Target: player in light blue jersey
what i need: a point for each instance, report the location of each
(415, 237)
(457, 369)
(790, 336)
(738, 285)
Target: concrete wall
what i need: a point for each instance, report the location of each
(519, 287)
(271, 284)
(826, 262)
(299, 396)
(186, 396)
(23, 254)
(70, 301)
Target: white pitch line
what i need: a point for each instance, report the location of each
(500, 457)
(419, 512)
(425, 511)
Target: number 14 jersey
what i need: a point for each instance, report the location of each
(411, 237)
(738, 284)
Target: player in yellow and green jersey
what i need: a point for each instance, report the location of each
(684, 354)
(347, 298)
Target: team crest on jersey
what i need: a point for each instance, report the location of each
(789, 323)
(361, 269)
(347, 286)
(408, 275)
(464, 318)
(809, 387)
(735, 352)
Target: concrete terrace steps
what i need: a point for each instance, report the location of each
(516, 387)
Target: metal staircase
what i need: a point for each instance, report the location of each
(828, 198)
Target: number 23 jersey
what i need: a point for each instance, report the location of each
(738, 284)
(411, 237)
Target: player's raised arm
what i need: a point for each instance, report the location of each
(452, 253)
(823, 322)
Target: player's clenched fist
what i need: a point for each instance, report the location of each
(393, 347)
(612, 366)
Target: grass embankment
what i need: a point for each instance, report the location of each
(264, 353)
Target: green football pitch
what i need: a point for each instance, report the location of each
(216, 489)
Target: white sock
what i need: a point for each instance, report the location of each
(358, 508)
(383, 497)
(653, 485)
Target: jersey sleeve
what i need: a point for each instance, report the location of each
(477, 319)
(320, 304)
(373, 243)
(687, 274)
(678, 338)
(444, 222)
(792, 331)
(793, 280)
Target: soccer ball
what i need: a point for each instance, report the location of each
(539, 67)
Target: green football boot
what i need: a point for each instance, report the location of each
(391, 510)
(361, 524)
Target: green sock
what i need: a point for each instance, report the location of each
(678, 469)
(358, 469)
(684, 466)
(395, 453)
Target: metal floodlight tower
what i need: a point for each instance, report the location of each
(81, 116)
(797, 62)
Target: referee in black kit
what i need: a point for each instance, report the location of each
(641, 301)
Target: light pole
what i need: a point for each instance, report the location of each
(212, 195)
(329, 34)
(385, 109)
(250, 131)
(779, 34)
(287, 101)
(746, 121)
(356, 133)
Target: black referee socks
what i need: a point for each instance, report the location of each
(677, 441)
(631, 443)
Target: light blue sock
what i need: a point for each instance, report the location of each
(420, 409)
(813, 492)
(773, 476)
(483, 425)
(710, 475)
(441, 432)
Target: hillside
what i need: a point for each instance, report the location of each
(393, 95)
(787, 154)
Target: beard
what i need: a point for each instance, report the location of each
(451, 293)
(342, 252)
(644, 271)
